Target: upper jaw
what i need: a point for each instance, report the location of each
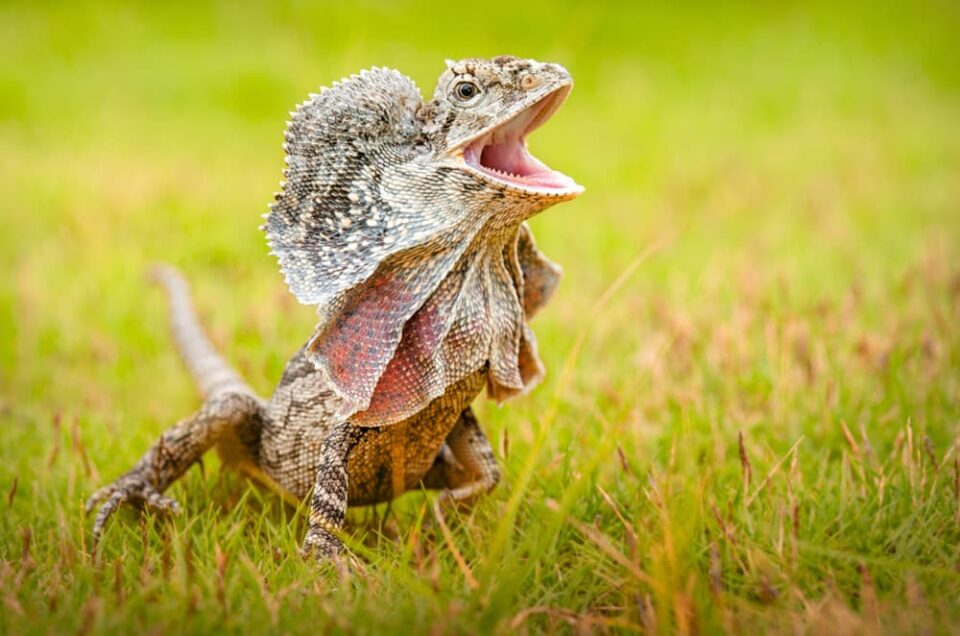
(499, 152)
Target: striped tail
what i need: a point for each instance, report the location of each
(213, 375)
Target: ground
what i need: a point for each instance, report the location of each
(752, 415)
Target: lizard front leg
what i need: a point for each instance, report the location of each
(178, 448)
(466, 465)
(328, 502)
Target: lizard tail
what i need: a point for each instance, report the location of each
(213, 375)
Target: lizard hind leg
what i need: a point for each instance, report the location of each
(228, 415)
(466, 466)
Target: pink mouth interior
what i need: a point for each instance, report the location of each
(502, 153)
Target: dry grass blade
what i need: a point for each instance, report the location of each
(847, 435)
(744, 462)
(624, 464)
(931, 454)
(55, 449)
(13, 491)
(773, 471)
(457, 555)
(222, 560)
(631, 533)
(716, 570)
(80, 449)
(603, 542)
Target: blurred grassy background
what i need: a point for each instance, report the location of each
(798, 162)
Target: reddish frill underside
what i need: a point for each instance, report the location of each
(397, 344)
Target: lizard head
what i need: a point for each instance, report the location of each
(481, 114)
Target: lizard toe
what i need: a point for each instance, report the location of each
(116, 499)
(160, 502)
(112, 497)
(98, 496)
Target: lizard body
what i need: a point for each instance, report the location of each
(404, 222)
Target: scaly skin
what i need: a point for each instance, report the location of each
(404, 223)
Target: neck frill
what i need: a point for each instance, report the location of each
(427, 320)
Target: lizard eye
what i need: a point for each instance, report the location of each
(465, 91)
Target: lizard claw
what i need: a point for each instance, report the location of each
(126, 490)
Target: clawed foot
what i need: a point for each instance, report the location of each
(132, 489)
(320, 544)
(323, 546)
(464, 496)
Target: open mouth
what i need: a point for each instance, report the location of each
(501, 152)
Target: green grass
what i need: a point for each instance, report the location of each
(797, 169)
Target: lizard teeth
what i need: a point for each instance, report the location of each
(504, 173)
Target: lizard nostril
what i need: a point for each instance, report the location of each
(529, 81)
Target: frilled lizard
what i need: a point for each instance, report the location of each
(404, 223)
